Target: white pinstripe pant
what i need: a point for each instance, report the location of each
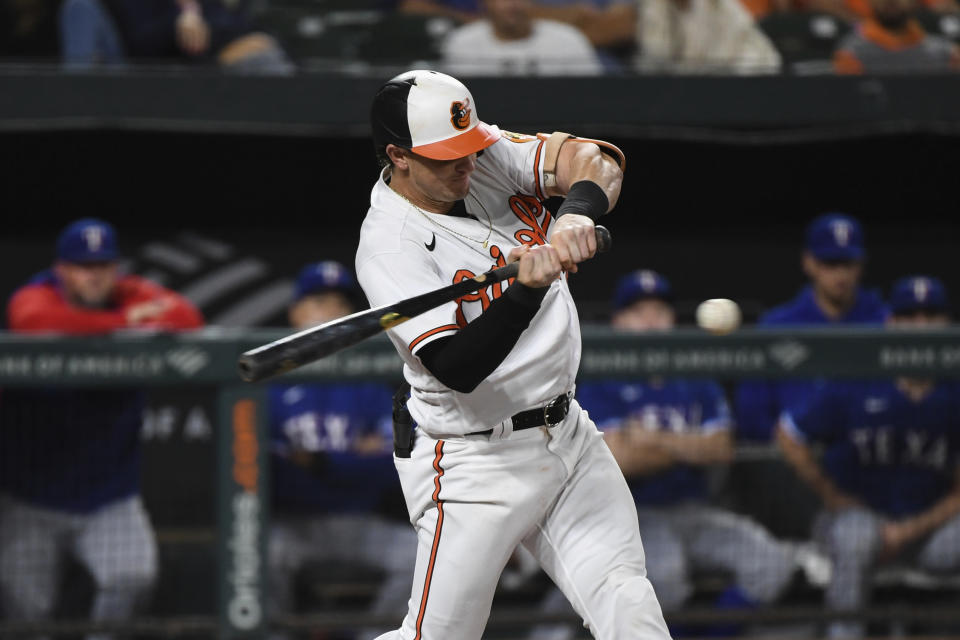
(115, 543)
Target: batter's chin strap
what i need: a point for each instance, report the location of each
(552, 151)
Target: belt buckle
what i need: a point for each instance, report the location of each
(550, 405)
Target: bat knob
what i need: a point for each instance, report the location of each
(248, 369)
(604, 239)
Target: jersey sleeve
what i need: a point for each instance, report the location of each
(819, 420)
(757, 410)
(601, 401)
(517, 163)
(41, 308)
(180, 313)
(396, 275)
(716, 409)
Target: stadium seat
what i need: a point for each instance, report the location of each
(805, 40)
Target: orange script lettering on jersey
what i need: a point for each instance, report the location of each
(485, 295)
(530, 211)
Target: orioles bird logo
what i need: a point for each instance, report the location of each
(460, 114)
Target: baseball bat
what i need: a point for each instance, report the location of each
(318, 342)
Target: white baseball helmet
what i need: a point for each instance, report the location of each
(430, 113)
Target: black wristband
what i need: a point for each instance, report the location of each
(586, 198)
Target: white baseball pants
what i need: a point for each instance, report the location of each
(560, 493)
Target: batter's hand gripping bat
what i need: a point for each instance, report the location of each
(318, 342)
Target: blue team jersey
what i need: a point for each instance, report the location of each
(71, 450)
(896, 455)
(332, 420)
(760, 403)
(674, 405)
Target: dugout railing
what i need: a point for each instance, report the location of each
(206, 361)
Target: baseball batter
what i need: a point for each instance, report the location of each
(501, 455)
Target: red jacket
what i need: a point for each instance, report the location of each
(40, 306)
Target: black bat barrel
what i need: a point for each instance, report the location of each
(306, 346)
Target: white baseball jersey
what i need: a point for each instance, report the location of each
(405, 251)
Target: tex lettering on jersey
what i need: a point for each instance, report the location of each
(536, 219)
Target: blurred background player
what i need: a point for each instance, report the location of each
(892, 40)
(666, 435)
(510, 41)
(702, 36)
(833, 260)
(888, 476)
(94, 32)
(333, 466)
(70, 458)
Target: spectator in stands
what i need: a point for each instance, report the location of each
(607, 24)
(702, 36)
(88, 35)
(70, 458)
(203, 31)
(665, 435)
(888, 476)
(510, 41)
(849, 10)
(893, 41)
(333, 467)
(833, 260)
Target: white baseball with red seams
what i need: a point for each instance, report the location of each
(474, 497)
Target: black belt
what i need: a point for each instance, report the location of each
(548, 415)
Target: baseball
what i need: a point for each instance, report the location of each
(718, 315)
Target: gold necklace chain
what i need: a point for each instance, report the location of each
(483, 242)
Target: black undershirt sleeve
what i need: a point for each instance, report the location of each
(464, 360)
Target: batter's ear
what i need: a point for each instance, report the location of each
(398, 156)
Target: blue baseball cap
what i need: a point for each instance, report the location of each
(918, 293)
(87, 240)
(835, 236)
(323, 276)
(640, 285)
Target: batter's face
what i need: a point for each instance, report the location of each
(87, 285)
(834, 280)
(645, 315)
(431, 184)
(319, 308)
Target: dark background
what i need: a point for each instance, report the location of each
(720, 218)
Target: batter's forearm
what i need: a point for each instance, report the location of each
(464, 360)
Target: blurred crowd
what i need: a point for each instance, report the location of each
(492, 37)
(880, 456)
